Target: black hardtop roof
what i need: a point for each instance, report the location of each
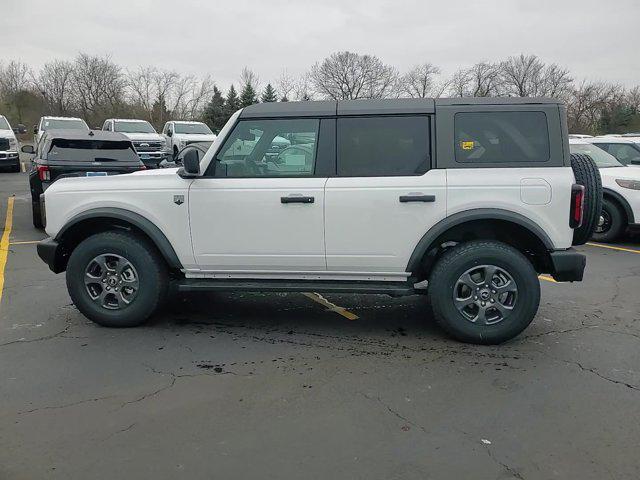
(84, 135)
(330, 108)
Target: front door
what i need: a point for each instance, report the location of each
(259, 209)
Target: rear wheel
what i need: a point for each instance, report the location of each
(611, 222)
(484, 292)
(116, 279)
(36, 213)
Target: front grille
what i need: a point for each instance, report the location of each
(143, 146)
(4, 144)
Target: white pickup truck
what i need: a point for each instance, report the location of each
(9, 156)
(179, 134)
(149, 144)
(57, 123)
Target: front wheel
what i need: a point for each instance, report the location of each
(116, 279)
(484, 292)
(36, 213)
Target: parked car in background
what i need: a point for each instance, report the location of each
(624, 149)
(57, 123)
(150, 145)
(9, 157)
(475, 196)
(179, 134)
(177, 160)
(579, 135)
(620, 192)
(72, 153)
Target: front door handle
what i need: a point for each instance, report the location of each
(417, 197)
(297, 199)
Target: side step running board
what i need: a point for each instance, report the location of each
(234, 285)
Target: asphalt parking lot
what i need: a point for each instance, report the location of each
(296, 386)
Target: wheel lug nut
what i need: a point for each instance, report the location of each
(108, 288)
(104, 280)
(475, 297)
(484, 304)
(493, 291)
(492, 300)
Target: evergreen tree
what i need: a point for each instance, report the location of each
(284, 99)
(269, 94)
(231, 103)
(249, 96)
(159, 112)
(214, 111)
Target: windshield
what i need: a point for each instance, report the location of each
(4, 125)
(133, 127)
(193, 128)
(64, 124)
(91, 151)
(602, 158)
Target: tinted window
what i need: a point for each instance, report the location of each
(624, 153)
(267, 148)
(602, 158)
(133, 127)
(91, 151)
(501, 137)
(64, 124)
(383, 146)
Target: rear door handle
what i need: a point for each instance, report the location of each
(297, 199)
(417, 197)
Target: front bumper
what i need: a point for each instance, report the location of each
(567, 265)
(50, 252)
(9, 157)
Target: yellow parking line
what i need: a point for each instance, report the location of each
(546, 278)
(4, 242)
(26, 242)
(610, 247)
(316, 297)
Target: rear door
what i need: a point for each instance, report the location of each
(385, 195)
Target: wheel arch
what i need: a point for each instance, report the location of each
(509, 227)
(616, 197)
(102, 219)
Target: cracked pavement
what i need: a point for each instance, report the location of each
(276, 386)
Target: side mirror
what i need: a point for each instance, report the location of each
(191, 163)
(169, 133)
(35, 129)
(28, 149)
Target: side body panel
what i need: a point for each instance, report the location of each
(632, 197)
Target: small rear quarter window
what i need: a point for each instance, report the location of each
(501, 137)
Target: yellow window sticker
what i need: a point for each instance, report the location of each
(467, 145)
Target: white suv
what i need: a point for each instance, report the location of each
(474, 196)
(150, 146)
(180, 134)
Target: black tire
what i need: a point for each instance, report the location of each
(36, 213)
(175, 153)
(587, 174)
(16, 168)
(443, 283)
(614, 222)
(149, 267)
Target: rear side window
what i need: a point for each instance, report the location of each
(501, 137)
(383, 146)
(62, 150)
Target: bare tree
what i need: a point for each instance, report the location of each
(55, 83)
(347, 75)
(556, 82)
(480, 80)
(285, 85)
(149, 86)
(521, 75)
(633, 98)
(420, 81)
(304, 88)
(15, 84)
(99, 85)
(189, 97)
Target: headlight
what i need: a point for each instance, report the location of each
(13, 143)
(632, 184)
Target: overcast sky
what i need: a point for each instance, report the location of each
(595, 39)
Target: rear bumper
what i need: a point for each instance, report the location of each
(50, 252)
(567, 265)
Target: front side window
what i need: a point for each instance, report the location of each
(64, 124)
(383, 146)
(269, 148)
(4, 125)
(624, 153)
(133, 127)
(501, 137)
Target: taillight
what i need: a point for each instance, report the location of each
(44, 173)
(577, 206)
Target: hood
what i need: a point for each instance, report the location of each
(626, 173)
(7, 134)
(156, 171)
(155, 137)
(191, 137)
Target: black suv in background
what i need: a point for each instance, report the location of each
(74, 153)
